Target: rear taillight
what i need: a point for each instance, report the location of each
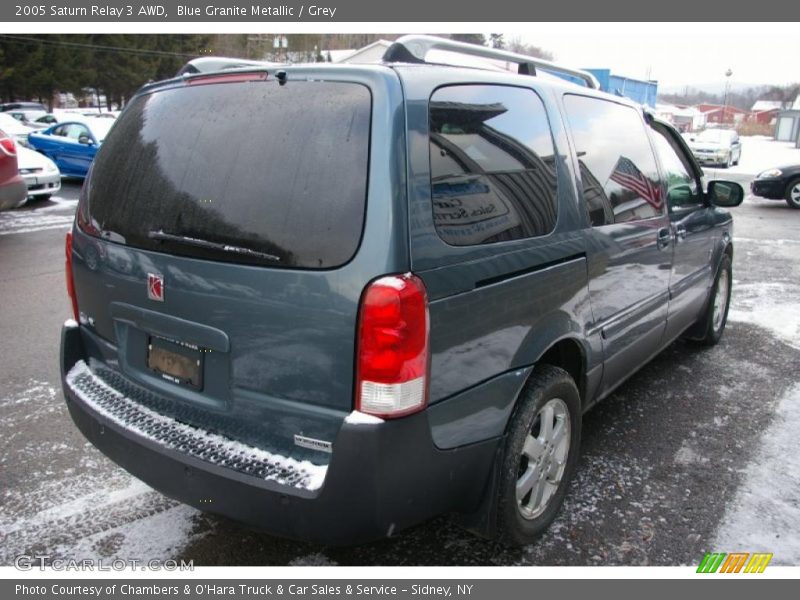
(7, 144)
(392, 347)
(70, 280)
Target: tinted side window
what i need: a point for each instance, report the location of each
(682, 187)
(617, 166)
(493, 176)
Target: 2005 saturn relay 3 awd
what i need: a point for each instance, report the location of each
(332, 301)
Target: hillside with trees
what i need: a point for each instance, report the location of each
(114, 66)
(741, 98)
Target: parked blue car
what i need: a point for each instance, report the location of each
(72, 145)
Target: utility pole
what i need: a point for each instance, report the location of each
(728, 74)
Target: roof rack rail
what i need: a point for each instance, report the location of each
(209, 64)
(414, 49)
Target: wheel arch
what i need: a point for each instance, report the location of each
(567, 352)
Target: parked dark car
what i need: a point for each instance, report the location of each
(13, 190)
(72, 145)
(393, 296)
(782, 183)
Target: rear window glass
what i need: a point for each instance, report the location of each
(249, 172)
(493, 177)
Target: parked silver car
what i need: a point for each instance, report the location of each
(717, 146)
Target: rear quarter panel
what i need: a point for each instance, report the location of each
(495, 309)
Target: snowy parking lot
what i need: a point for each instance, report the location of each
(692, 455)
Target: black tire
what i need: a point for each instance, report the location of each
(547, 385)
(793, 189)
(711, 328)
(42, 198)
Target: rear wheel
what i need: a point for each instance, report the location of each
(792, 194)
(540, 455)
(716, 315)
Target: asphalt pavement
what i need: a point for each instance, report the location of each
(664, 464)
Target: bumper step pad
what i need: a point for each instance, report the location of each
(110, 397)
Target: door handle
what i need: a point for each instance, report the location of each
(663, 238)
(680, 232)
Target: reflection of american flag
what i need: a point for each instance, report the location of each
(631, 178)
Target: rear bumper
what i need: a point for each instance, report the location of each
(772, 189)
(381, 478)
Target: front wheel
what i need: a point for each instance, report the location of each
(716, 315)
(540, 456)
(793, 194)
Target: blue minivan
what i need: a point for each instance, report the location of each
(333, 301)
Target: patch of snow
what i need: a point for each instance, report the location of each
(316, 473)
(768, 305)
(37, 391)
(30, 224)
(765, 514)
(160, 536)
(765, 242)
(686, 456)
(359, 418)
(317, 559)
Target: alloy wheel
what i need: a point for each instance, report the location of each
(543, 459)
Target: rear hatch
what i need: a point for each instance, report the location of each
(222, 244)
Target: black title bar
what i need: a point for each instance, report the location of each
(440, 11)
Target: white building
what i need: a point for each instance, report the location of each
(683, 119)
(372, 53)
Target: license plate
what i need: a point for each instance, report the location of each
(174, 361)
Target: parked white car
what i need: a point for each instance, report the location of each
(15, 129)
(716, 146)
(41, 174)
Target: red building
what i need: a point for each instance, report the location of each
(717, 113)
(765, 112)
(765, 117)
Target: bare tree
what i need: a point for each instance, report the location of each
(520, 47)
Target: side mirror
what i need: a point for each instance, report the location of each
(725, 193)
(85, 139)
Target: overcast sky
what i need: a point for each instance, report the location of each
(675, 54)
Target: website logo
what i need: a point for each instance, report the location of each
(735, 562)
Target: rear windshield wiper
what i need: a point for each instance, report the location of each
(190, 241)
